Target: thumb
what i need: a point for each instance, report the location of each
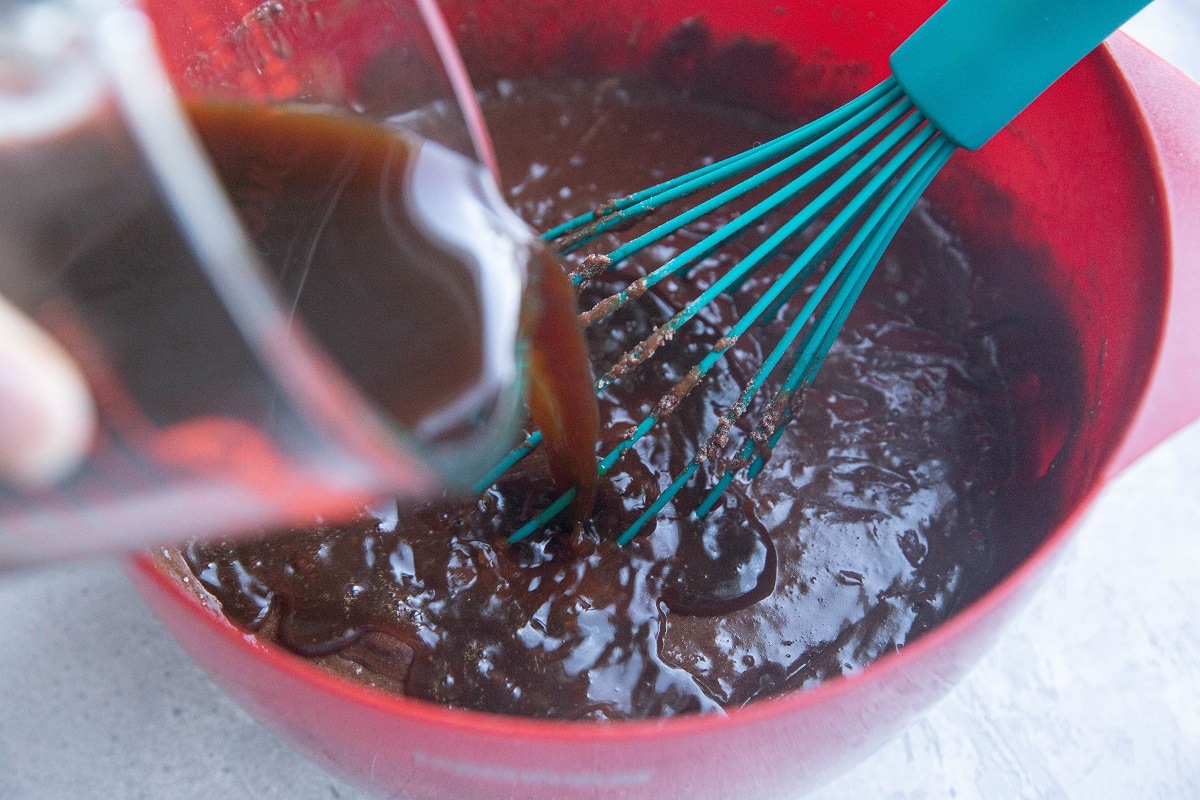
(46, 413)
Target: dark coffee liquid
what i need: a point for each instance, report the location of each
(390, 247)
(882, 511)
(343, 217)
(338, 209)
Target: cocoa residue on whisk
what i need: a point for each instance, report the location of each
(611, 303)
(785, 404)
(671, 400)
(591, 266)
(711, 450)
(638, 355)
(625, 219)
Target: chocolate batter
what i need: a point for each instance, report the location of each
(883, 510)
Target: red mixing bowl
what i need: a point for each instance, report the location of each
(1102, 172)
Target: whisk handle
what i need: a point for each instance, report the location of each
(976, 64)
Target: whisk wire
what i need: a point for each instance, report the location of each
(895, 150)
(849, 283)
(732, 165)
(882, 226)
(793, 277)
(764, 207)
(509, 461)
(879, 115)
(740, 271)
(911, 186)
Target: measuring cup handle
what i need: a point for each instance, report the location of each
(1170, 106)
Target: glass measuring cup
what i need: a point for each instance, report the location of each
(239, 384)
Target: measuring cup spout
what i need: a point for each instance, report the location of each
(1170, 105)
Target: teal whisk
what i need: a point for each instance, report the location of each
(955, 82)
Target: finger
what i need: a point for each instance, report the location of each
(46, 413)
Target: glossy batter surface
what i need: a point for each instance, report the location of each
(876, 517)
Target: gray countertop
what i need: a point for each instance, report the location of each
(1093, 693)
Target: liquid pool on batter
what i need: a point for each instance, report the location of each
(883, 510)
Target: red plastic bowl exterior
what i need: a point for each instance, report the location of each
(1119, 196)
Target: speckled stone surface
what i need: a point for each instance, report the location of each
(1093, 693)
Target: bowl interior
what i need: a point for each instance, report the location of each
(1085, 205)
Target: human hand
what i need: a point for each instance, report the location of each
(46, 413)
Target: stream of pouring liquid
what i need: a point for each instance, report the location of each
(561, 400)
